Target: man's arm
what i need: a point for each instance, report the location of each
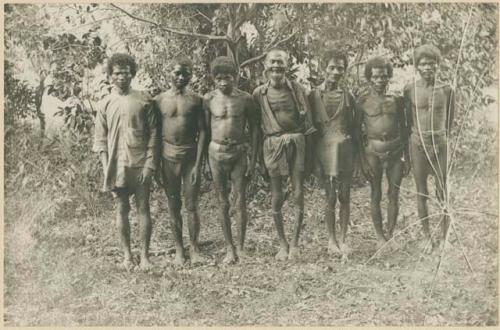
(101, 136)
(153, 127)
(253, 127)
(200, 118)
(207, 117)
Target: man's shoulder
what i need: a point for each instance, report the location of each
(208, 96)
(141, 95)
(241, 94)
(259, 89)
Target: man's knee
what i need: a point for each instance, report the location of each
(277, 200)
(393, 192)
(344, 195)
(123, 207)
(191, 204)
(376, 196)
(174, 203)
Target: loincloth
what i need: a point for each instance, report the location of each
(335, 153)
(431, 145)
(225, 156)
(178, 154)
(385, 150)
(283, 153)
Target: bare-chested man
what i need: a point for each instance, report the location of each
(285, 121)
(183, 139)
(126, 138)
(228, 111)
(431, 107)
(333, 116)
(385, 143)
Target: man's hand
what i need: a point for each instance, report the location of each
(249, 172)
(145, 175)
(406, 166)
(195, 175)
(366, 169)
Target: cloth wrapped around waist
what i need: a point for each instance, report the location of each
(438, 138)
(334, 152)
(384, 148)
(283, 149)
(226, 152)
(175, 153)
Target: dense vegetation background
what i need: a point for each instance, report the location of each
(60, 242)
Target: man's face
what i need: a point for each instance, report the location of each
(121, 76)
(379, 79)
(180, 75)
(276, 64)
(335, 70)
(427, 67)
(224, 82)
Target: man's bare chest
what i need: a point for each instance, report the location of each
(179, 106)
(223, 107)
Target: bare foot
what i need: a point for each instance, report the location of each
(230, 258)
(294, 253)
(333, 248)
(282, 254)
(180, 259)
(427, 245)
(196, 257)
(145, 264)
(128, 264)
(345, 250)
(242, 253)
(381, 244)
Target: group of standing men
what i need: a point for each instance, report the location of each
(138, 138)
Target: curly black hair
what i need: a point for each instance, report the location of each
(427, 50)
(182, 60)
(379, 63)
(121, 60)
(223, 65)
(335, 54)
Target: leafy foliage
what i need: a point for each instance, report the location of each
(20, 97)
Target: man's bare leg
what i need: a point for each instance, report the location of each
(191, 201)
(298, 196)
(172, 187)
(344, 214)
(376, 197)
(394, 175)
(331, 201)
(123, 225)
(143, 212)
(441, 192)
(221, 186)
(277, 201)
(421, 172)
(239, 186)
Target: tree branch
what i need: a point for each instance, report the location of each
(261, 56)
(171, 30)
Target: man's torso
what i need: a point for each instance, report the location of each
(228, 116)
(180, 114)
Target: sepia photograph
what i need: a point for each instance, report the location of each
(250, 164)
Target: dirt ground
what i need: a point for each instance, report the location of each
(61, 267)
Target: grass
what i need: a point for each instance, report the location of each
(61, 266)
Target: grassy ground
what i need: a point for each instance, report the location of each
(61, 266)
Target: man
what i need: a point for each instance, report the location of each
(228, 111)
(385, 145)
(431, 107)
(183, 140)
(285, 121)
(333, 116)
(126, 138)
